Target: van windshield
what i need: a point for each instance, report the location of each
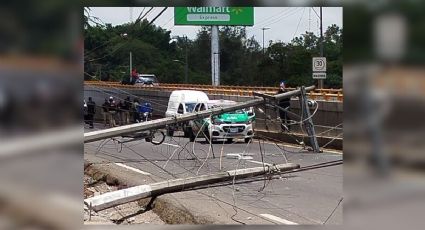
(190, 107)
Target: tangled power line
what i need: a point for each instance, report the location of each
(192, 160)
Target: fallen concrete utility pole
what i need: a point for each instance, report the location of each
(42, 142)
(115, 198)
(154, 124)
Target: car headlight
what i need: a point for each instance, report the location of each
(217, 122)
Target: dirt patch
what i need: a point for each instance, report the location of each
(130, 213)
(175, 215)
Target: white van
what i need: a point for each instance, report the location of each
(182, 102)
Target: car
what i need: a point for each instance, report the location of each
(147, 80)
(182, 102)
(236, 124)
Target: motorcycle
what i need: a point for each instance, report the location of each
(154, 136)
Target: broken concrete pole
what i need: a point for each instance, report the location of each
(111, 199)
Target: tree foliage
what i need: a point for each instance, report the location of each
(242, 60)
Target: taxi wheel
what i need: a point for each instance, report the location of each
(191, 135)
(170, 132)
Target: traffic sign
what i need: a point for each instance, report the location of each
(319, 64)
(231, 16)
(317, 75)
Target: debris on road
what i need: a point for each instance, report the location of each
(130, 213)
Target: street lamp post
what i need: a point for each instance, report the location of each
(320, 83)
(124, 36)
(185, 69)
(185, 61)
(131, 65)
(264, 28)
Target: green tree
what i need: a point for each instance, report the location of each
(242, 61)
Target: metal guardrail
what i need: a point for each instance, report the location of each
(317, 94)
(250, 88)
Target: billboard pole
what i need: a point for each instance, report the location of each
(214, 17)
(215, 57)
(131, 65)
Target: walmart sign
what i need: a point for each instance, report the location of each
(231, 16)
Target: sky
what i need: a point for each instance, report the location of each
(285, 23)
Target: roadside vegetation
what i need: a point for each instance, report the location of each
(107, 48)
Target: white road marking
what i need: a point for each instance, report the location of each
(278, 219)
(177, 146)
(259, 162)
(233, 156)
(133, 169)
(243, 154)
(238, 156)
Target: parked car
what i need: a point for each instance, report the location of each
(182, 102)
(147, 80)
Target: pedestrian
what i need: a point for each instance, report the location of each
(285, 104)
(112, 111)
(91, 111)
(126, 110)
(135, 109)
(120, 112)
(134, 76)
(105, 112)
(85, 112)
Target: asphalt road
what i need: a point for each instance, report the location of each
(305, 197)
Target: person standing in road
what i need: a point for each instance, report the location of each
(285, 104)
(91, 111)
(105, 112)
(126, 111)
(120, 111)
(85, 112)
(112, 111)
(136, 115)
